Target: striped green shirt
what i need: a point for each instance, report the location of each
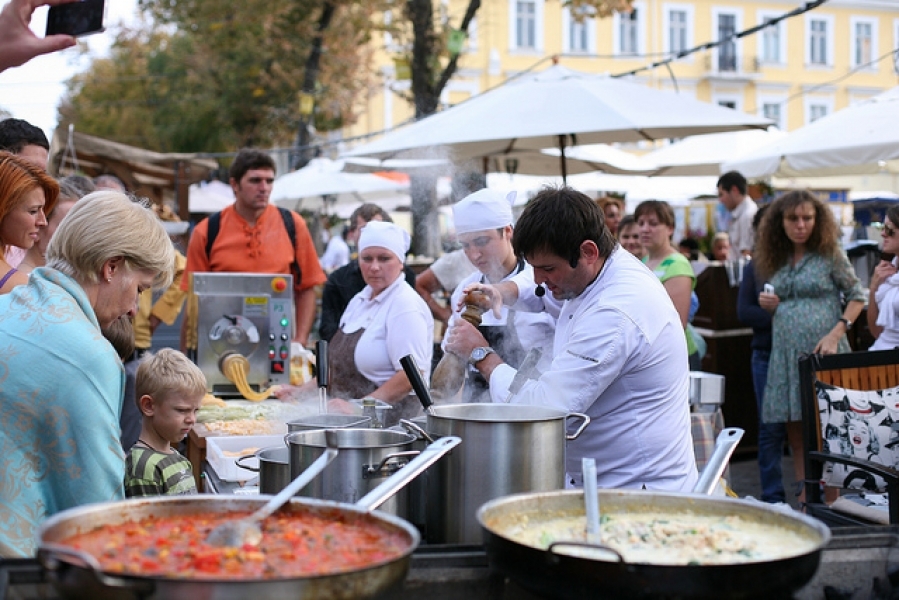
(152, 473)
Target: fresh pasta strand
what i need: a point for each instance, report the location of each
(235, 368)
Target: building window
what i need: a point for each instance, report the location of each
(771, 110)
(727, 51)
(727, 103)
(578, 34)
(677, 31)
(864, 42)
(526, 24)
(817, 42)
(816, 111)
(627, 33)
(771, 43)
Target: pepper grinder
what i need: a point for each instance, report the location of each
(449, 375)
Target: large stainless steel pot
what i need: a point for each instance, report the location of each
(77, 575)
(328, 421)
(507, 449)
(553, 574)
(367, 457)
(274, 468)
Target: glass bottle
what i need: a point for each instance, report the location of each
(370, 410)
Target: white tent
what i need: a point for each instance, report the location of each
(704, 154)
(860, 139)
(209, 197)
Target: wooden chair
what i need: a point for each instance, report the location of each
(863, 371)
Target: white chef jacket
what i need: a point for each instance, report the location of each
(534, 330)
(397, 322)
(620, 356)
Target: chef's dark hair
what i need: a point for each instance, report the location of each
(559, 220)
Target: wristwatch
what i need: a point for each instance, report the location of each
(479, 354)
(846, 322)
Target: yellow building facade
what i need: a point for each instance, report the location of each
(794, 71)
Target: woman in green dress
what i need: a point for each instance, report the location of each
(798, 253)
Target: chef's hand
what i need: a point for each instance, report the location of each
(769, 302)
(342, 407)
(493, 294)
(463, 337)
(884, 270)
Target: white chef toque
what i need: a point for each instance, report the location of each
(385, 235)
(482, 210)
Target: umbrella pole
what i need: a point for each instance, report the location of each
(563, 164)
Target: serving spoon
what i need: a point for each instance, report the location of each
(246, 531)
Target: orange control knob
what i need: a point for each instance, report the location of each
(279, 284)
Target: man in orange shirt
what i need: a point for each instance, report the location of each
(252, 237)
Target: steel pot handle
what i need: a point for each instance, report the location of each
(398, 480)
(240, 460)
(53, 557)
(580, 430)
(372, 470)
(413, 428)
(554, 557)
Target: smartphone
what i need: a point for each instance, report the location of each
(76, 18)
(768, 288)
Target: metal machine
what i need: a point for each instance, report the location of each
(245, 314)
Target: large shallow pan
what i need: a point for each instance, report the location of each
(76, 575)
(554, 574)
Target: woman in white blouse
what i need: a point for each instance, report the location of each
(883, 301)
(384, 322)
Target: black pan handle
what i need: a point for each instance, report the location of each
(418, 384)
(322, 371)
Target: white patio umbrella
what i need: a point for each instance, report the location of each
(702, 155)
(860, 139)
(556, 108)
(209, 197)
(323, 183)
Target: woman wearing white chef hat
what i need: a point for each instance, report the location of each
(384, 322)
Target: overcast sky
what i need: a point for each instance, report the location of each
(32, 91)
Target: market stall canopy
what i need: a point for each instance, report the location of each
(147, 173)
(859, 139)
(322, 185)
(702, 155)
(209, 197)
(556, 108)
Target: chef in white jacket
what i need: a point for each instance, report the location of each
(619, 354)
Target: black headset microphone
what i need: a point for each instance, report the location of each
(540, 291)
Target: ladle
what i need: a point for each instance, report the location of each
(322, 374)
(591, 499)
(246, 531)
(418, 383)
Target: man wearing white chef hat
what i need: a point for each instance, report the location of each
(483, 222)
(619, 353)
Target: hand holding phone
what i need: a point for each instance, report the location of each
(84, 17)
(768, 288)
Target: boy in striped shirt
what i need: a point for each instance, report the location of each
(169, 390)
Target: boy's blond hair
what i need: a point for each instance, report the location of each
(166, 373)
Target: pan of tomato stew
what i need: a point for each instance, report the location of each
(154, 548)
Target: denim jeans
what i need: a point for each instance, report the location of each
(771, 436)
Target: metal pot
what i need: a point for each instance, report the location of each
(274, 469)
(552, 574)
(77, 575)
(507, 449)
(328, 421)
(366, 457)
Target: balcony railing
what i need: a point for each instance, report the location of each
(729, 66)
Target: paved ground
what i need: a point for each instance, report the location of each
(744, 478)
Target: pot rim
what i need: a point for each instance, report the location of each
(544, 413)
(402, 439)
(204, 503)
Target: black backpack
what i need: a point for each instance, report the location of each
(215, 221)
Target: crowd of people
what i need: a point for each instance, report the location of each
(607, 297)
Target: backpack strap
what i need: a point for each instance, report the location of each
(212, 231)
(290, 226)
(215, 222)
